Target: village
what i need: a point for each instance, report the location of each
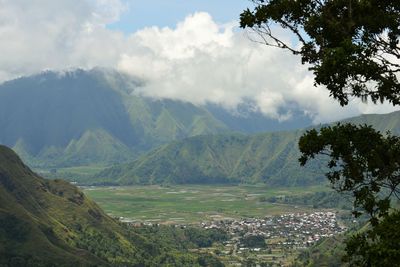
(269, 241)
(297, 230)
(274, 239)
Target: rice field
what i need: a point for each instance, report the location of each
(188, 204)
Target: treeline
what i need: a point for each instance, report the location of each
(160, 246)
(182, 237)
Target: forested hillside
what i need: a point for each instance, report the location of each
(52, 223)
(231, 158)
(217, 159)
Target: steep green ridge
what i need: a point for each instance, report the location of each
(52, 223)
(232, 158)
(51, 109)
(162, 121)
(41, 115)
(94, 146)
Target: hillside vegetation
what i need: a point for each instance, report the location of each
(327, 252)
(217, 159)
(52, 223)
(271, 158)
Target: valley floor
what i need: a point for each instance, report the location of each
(190, 204)
(282, 217)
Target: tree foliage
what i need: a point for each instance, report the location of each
(362, 161)
(378, 246)
(352, 46)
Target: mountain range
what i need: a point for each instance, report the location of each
(87, 117)
(83, 117)
(270, 158)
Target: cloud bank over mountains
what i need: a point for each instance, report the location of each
(199, 60)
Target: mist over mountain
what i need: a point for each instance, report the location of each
(247, 119)
(56, 119)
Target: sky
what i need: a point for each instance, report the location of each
(167, 13)
(190, 50)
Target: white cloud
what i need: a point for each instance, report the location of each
(198, 61)
(48, 34)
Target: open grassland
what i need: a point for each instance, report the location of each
(195, 203)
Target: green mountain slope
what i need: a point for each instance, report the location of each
(94, 146)
(52, 223)
(41, 115)
(270, 157)
(50, 109)
(162, 121)
(41, 219)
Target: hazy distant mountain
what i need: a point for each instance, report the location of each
(84, 117)
(382, 122)
(270, 157)
(47, 115)
(246, 119)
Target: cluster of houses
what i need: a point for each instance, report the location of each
(294, 230)
(271, 240)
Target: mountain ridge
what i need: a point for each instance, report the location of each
(270, 158)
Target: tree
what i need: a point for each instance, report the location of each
(352, 48)
(384, 250)
(362, 161)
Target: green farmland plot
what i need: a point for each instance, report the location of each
(196, 203)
